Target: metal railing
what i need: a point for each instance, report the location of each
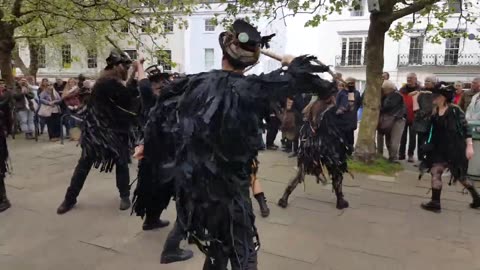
(412, 60)
(349, 61)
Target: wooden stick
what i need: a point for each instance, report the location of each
(279, 58)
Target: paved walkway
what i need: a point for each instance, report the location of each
(383, 229)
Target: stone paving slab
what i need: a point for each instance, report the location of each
(384, 228)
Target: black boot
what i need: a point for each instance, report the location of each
(341, 202)
(124, 203)
(262, 202)
(283, 202)
(476, 198)
(65, 207)
(434, 204)
(172, 251)
(175, 255)
(153, 221)
(4, 202)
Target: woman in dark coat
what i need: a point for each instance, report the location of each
(392, 121)
(447, 124)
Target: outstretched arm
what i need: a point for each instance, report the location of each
(299, 77)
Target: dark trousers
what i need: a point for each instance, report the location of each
(296, 143)
(272, 130)
(412, 140)
(159, 202)
(217, 257)
(3, 165)
(176, 235)
(3, 191)
(80, 176)
(243, 254)
(349, 136)
(53, 125)
(421, 140)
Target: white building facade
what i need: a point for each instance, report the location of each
(341, 42)
(192, 50)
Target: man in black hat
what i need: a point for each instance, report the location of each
(202, 134)
(106, 139)
(6, 121)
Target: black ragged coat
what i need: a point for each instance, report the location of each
(203, 135)
(322, 143)
(108, 126)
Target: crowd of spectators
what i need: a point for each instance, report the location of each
(404, 121)
(47, 104)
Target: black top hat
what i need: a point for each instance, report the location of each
(444, 89)
(248, 36)
(117, 57)
(155, 73)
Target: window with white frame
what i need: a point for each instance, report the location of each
(209, 59)
(168, 26)
(353, 51)
(415, 53)
(209, 25)
(41, 56)
(92, 58)
(358, 7)
(452, 48)
(132, 53)
(66, 56)
(165, 59)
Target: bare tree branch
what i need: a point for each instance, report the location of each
(413, 8)
(16, 9)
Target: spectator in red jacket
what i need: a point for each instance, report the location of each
(458, 92)
(412, 85)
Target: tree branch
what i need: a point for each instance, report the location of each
(414, 7)
(19, 63)
(16, 9)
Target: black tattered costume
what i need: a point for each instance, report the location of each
(202, 136)
(107, 132)
(322, 145)
(6, 121)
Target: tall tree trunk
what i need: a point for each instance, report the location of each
(7, 44)
(365, 147)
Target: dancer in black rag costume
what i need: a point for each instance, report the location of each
(322, 144)
(155, 197)
(203, 135)
(449, 147)
(107, 130)
(6, 124)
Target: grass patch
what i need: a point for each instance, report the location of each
(379, 166)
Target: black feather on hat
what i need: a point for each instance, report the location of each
(444, 89)
(156, 73)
